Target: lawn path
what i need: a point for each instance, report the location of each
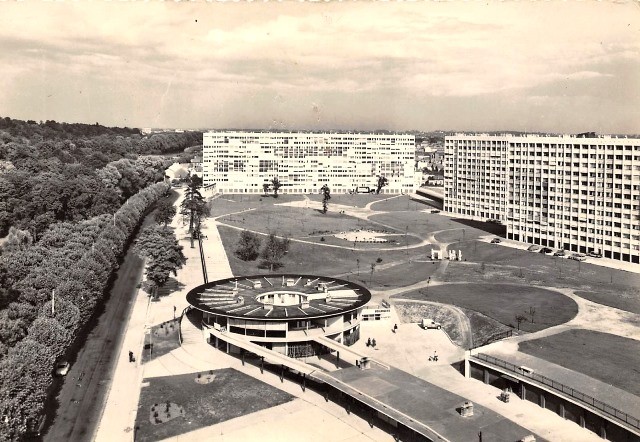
(590, 316)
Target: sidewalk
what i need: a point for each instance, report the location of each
(309, 416)
(118, 416)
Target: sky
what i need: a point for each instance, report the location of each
(536, 66)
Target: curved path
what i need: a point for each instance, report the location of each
(591, 315)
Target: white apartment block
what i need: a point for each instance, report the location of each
(566, 192)
(241, 162)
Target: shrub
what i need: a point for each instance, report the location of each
(248, 248)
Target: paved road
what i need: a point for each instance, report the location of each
(81, 399)
(85, 387)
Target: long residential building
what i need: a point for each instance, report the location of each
(577, 193)
(242, 162)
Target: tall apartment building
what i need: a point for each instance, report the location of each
(241, 162)
(568, 192)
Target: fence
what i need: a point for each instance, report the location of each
(493, 338)
(585, 398)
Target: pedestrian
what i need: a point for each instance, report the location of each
(395, 327)
(130, 356)
(369, 342)
(373, 343)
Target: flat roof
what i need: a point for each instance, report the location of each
(428, 404)
(277, 297)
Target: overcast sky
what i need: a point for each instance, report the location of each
(529, 66)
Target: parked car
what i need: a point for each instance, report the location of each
(430, 323)
(435, 211)
(62, 368)
(534, 248)
(494, 221)
(578, 257)
(546, 250)
(560, 253)
(595, 254)
(496, 241)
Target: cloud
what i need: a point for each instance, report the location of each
(225, 58)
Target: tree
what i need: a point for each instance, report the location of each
(373, 268)
(17, 240)
(165, 211)
(382, 181)
(265, 188)
(326, 196)
(163, 253)
(519, 319)
(248, 248)
(193, 204)
(276, 185)
(273, 251)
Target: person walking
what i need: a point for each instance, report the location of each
(131, 356)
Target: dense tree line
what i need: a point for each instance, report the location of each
(44, 180)
(74, 262)
(51, 129)
(63, 189)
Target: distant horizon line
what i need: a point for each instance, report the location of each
(390, 131)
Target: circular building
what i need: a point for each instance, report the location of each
(286, 313)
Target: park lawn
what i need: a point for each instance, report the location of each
(316, 258)
(609, 358)
(161, 339)
(503, 302)
(298, 222)
(230, 395)
(418, 223)
(627, 300)
(399, 204)
(615, 288)
(224, 204)
(354, 200)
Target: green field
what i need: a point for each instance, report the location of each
(354, 264)
(609, 358)
(231, 394)
(503, 302)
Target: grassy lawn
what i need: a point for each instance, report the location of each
(298, 222)
(231, 394)
(161, 339)
(501, 264)
(502, 302)
(354, 200)
(624, 300)
(399, 204)
(419, 223)
(393, 270)
(609, 358)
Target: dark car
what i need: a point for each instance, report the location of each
(546, 250)
(496, 241)
(560, 253)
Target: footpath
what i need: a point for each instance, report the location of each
(308, 417)
(118, 417)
